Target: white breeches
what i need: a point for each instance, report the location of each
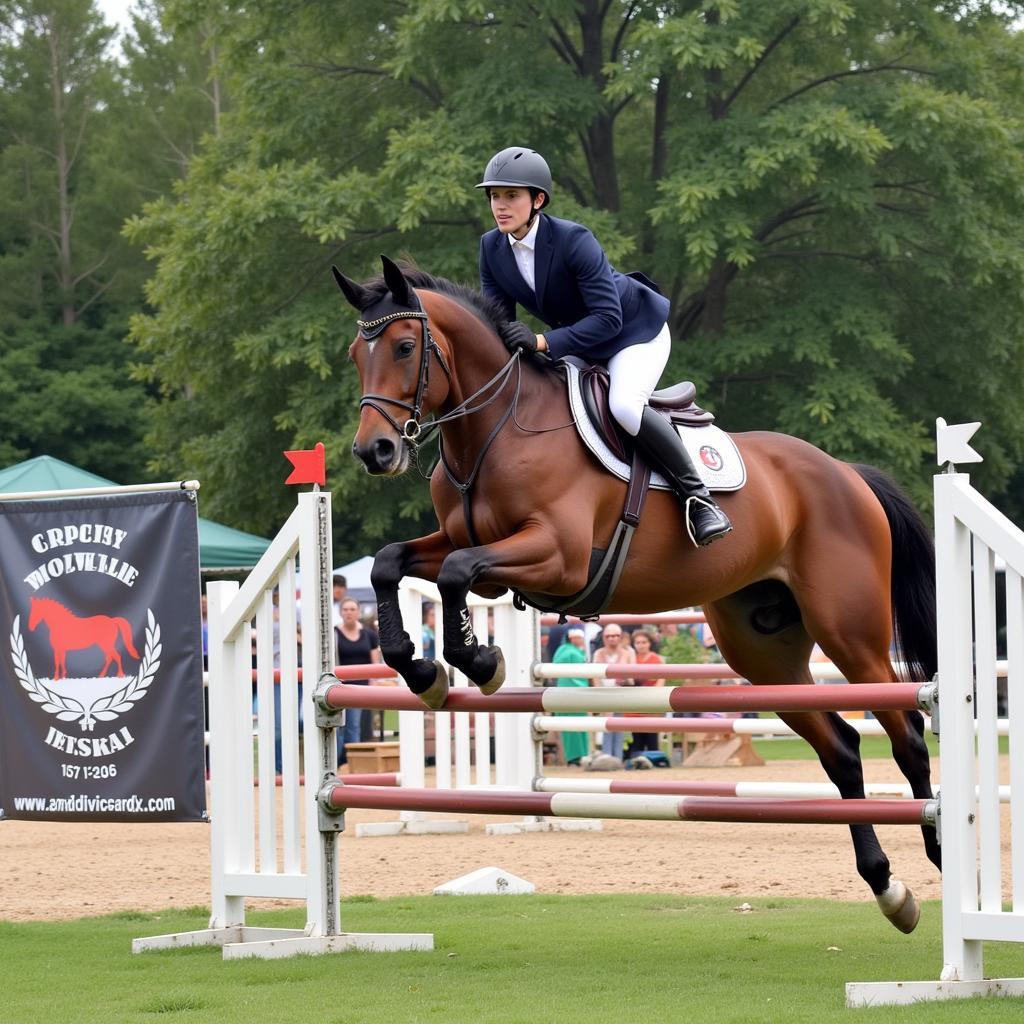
(635, 372)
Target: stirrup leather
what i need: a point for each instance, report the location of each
(695, 498)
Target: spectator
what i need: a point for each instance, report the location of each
(573, 652)
(556, 636)
(612, 652)
(643, 644)
(664, 632)
(339, 591)
(357, 645)
(429, 622)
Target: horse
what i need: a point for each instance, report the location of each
(68, 632)
(822, 551)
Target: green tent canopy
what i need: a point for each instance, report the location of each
(220, 547)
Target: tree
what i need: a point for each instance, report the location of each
(62, 318)
(84, 140)
(812, 182)
(55, 65)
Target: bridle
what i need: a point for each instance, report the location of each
(411, 430)
(414, 431)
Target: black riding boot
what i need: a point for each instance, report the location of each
(660, 447)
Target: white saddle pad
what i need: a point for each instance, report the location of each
(712, 450)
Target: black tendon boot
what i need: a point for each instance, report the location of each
(660, 447)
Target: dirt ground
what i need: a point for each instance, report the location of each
(52, 871)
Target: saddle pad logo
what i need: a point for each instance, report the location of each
(711, 457)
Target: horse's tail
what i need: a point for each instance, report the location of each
(913, 576)
(126, 636)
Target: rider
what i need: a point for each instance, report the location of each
(557, 270)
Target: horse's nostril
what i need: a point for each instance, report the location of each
(384, 450)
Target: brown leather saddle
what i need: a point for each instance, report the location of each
(677, 404)
(606, 564)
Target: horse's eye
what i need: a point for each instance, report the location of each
(404, 349)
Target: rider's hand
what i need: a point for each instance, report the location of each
(517, 335)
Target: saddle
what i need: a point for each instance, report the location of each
(606, 564)
(677, 404)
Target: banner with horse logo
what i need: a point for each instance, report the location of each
(101, 685)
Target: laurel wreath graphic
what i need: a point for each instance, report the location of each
(106, 709)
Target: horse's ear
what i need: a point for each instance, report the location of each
(357, 295)
(397, 284)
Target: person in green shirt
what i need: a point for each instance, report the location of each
(573, 652)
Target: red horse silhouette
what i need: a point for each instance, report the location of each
(70, 633)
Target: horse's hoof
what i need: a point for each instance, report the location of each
(436, 694)
(900, 905)
(493, 685)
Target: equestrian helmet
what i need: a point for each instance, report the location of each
(518, 166)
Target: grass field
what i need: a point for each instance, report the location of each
(784, 748)
(506, 960)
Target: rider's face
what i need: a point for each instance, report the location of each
(511, 208)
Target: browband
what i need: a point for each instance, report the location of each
(371, 328)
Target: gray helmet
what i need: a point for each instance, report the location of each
(518, 166)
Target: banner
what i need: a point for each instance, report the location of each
(101, 686)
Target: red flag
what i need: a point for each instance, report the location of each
(309, 466)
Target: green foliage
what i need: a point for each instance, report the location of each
(682, 648)
(65, 387)
(85, 139)
(829, 192)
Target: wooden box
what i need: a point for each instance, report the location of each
(373, 757)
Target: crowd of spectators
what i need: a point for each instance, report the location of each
(616, 645)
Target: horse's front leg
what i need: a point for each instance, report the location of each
(528, 560)
(422, 558)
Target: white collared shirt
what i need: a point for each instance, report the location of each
(524, 251)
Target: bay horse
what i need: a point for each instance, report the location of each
(822, 551)
(68, 632)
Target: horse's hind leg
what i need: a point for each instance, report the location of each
(910, 752)
(761, 636)
(858, 643)
(837, 744)
(855, 632)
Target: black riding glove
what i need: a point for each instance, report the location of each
(517, 335)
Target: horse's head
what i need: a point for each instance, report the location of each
(394, 353)
(35, 615)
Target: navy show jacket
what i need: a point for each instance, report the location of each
(592, 310)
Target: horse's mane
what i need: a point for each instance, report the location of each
(490, 311)
(49, 601)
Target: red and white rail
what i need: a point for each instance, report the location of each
(337, 797)
(652, 699)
